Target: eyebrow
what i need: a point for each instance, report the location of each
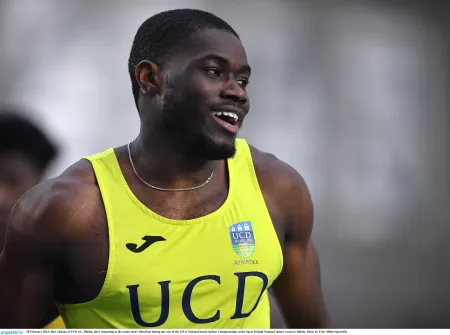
(220, 59)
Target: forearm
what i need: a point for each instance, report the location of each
(309, 316)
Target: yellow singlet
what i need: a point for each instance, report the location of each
(58, 323)
(209, 272)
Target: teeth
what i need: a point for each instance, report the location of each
(233, 115)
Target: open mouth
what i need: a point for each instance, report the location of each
(227, 120)
(228, 117)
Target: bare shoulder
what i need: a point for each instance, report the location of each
(275, 175)
(40, 235)
(55, 209)
(285, 192)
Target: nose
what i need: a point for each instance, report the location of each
(233, 91)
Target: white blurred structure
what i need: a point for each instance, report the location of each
(354, 96)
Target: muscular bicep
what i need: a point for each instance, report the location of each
(26, 291)
(298, 288)
(27, 265)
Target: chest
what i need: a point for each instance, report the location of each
(145, 251)
(203, 272)
(198, 268)
(222, 243)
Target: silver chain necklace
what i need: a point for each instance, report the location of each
(166, 189)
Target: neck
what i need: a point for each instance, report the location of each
(160, 164)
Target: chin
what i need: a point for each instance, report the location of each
(221, 151)
(210, 148)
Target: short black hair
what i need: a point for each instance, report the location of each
(158, 35)
(17, 133)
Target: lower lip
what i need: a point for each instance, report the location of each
(232, 128)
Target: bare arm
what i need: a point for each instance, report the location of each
(298, 288)
(32, 248)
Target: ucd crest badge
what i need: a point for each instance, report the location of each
(242, 238)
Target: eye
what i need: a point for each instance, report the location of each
(243, 82)
(212, 72)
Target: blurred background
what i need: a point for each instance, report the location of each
(353, 94)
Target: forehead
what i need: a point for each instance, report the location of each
(214, 41)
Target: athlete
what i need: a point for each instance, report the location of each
(184, 227)
(25, 153)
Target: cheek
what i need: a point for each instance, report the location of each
(202, 88)
(211, 89)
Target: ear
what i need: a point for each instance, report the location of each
(149, 77)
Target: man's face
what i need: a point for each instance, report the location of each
(205, 99)
(18, 173)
